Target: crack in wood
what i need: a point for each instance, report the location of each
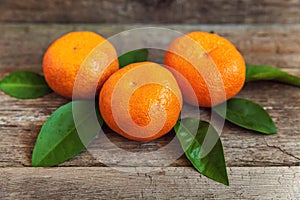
(280, 149)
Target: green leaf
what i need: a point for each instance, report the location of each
(267, 73)
(196, 137)
(59, 140)
(24, 85)
(138, 55)
(247, 114)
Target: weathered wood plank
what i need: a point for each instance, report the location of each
(148, 183)
(21, 121)
(22, 46)
(149, 11)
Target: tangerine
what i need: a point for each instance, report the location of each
(210, 63)
(71, 53)
(141, 101)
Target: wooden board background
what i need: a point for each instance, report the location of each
(259, 166)
(151, 11)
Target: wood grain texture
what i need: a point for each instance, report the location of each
(145, 183)
(22, 47)
(257, 163)
(151, 11)
(21, 121)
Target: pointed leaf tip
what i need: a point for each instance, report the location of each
(196, 137)
(24, 85)
(247, 114)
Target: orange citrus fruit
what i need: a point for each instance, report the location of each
(210, 64)
(141, 101)
(85, 51)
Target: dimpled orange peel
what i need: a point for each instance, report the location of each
(226, 74)
(87, 52)
(141, 101)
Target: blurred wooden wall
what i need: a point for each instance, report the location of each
(151, 11)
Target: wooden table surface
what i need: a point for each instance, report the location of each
(259, 166)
